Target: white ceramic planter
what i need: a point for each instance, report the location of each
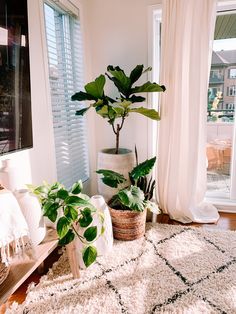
(32, 212)
(122, 163)
(104, 243)
(9, 177)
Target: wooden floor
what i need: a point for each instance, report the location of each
(227, 221)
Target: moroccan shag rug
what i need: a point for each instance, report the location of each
(173, 269)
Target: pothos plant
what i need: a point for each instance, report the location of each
(71, 209)
(116, 110)
(135, 196)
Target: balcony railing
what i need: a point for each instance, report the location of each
(217, 79)
(215, 115)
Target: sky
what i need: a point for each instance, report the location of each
(224, 44)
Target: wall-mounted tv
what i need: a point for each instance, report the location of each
(15, 98)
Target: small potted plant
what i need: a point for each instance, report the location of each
(73, 214)
(116, 110)
(129, 205)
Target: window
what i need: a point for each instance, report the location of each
(216, 73)
(65, 75)
(232, 90)
(230, 106)
(232, 73)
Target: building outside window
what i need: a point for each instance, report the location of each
(216, 75)
(232, 90)
(232, 73)
(221, 88)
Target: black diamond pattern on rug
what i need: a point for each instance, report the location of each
(209, 269)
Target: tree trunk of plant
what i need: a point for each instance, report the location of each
(117, 138)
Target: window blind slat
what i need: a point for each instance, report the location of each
(64, 44)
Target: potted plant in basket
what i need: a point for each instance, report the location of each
(73, 214)
(117, 110)
(128, 206)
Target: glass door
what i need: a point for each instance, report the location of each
(221, 157)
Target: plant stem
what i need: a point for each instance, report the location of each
(113, 128)
(118, 128)
(78, 235)
(117, 138)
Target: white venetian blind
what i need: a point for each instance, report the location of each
(66, 77)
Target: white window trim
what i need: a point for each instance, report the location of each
(228, 205)
(153, 10)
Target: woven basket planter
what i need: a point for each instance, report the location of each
(128, 225)
(4, 271)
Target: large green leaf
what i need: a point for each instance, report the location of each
(102, 111)
(69, 237)
(148, 87)
(77, 187)
(71, 213)
(90, 234)
(96, 88)
(120, 79)
(86, 218)
(63, 226)
(108, 112)
(135, 98)
(118, 108)
(77, 201)
(99, 104)
(125, 103)
(81, 96)
(111, 178)
(62, 194)
(50, 210)
(136, 73)
(143, 169)
(150, 113)
(114, 202)
(89, 255)
(120, 75)
(133, 198)
(41, 190)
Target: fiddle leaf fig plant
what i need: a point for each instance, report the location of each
(116, 110)
(137, 195)
(73, 213)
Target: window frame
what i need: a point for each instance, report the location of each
(232, 90)
(65, 12)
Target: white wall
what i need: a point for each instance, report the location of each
(117, 34)
(37, 164)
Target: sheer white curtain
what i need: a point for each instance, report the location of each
(187, 36)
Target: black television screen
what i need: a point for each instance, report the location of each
(15, 100)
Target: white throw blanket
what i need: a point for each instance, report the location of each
(14, 240)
